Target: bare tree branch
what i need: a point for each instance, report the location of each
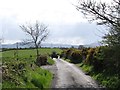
(100, 12)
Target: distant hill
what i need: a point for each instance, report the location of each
(42, 45)
(50, 45)
(96, 44)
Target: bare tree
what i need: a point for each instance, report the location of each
(103, 13)
(38, 32)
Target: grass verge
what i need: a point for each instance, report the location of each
(51, 61)
(110, 81)
(20, 74)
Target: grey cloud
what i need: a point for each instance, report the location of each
(10, 29)
(84, 30)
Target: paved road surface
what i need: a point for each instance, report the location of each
(67, 75)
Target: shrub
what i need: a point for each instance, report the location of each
(89, 57)
(41, 60)
(84, 53)
(54, 55)
(68, 53)
(98, 58)
(76, 56)
(17, 67)
(62, 54)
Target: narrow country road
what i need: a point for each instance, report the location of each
(67, 75)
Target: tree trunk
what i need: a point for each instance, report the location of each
(37, 51)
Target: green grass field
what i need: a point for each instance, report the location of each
(24, 73)
(28, 52)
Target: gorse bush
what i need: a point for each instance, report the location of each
(84, 53)
(98, 59)
(89, 57)
(94, 57)
(68, 53)
(76, 56)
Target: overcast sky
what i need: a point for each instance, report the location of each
(66, 24)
